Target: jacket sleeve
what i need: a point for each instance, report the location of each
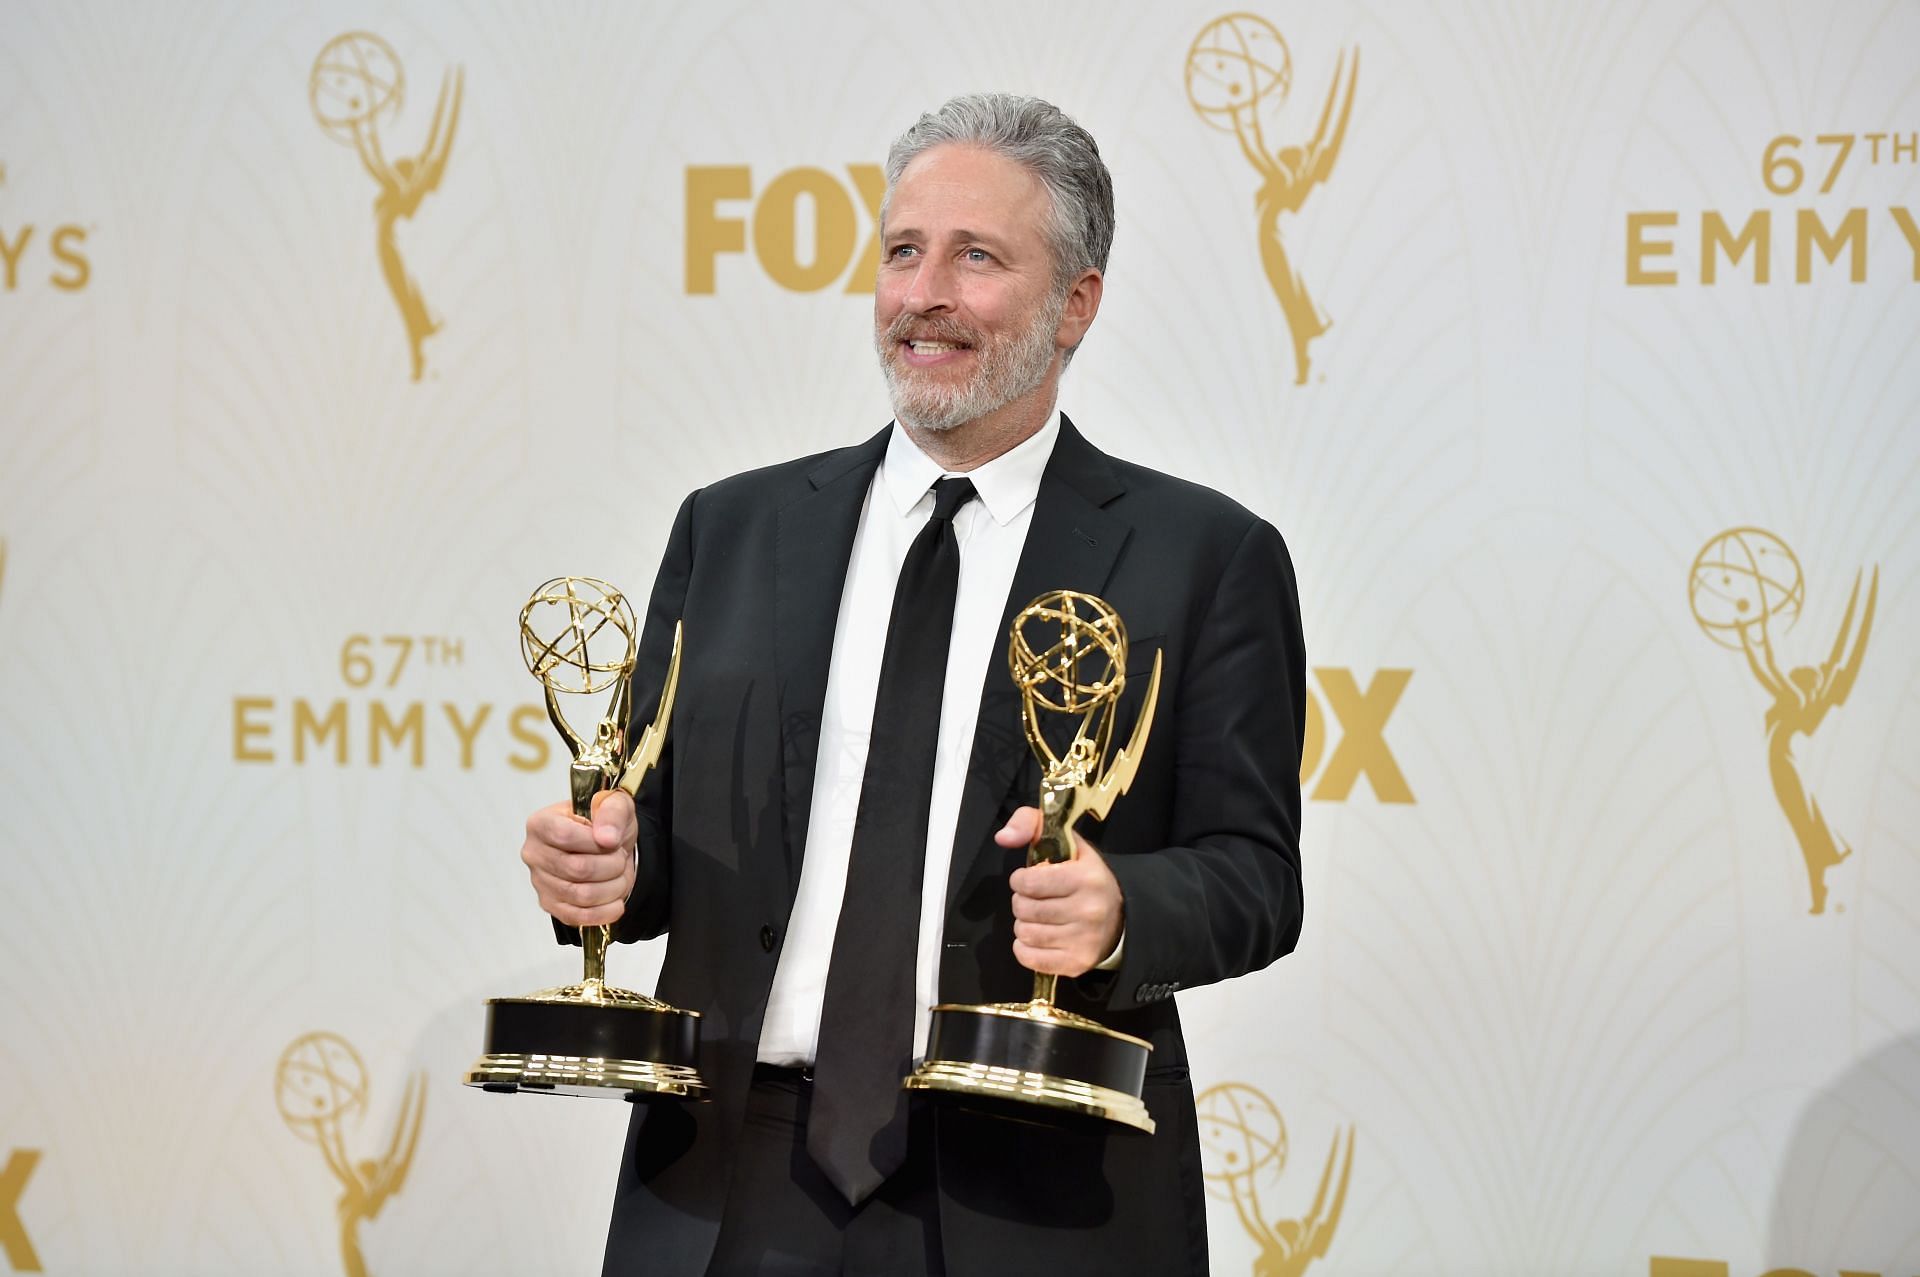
(647, 907)
(1225, 897)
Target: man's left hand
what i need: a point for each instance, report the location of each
(1067, 917)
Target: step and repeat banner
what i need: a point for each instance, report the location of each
(1574, 348)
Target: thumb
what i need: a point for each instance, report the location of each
(612, 817)
(1021, 828)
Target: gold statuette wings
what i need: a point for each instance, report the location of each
(1840, 668)
(1126, 763)
(646, 751)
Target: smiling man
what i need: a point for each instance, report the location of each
(976, 302)
(835, 839)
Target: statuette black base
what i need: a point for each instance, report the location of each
(607, 1043)
(1034, 1054)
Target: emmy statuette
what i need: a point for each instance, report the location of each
(1033, 1053)
(591, 1038)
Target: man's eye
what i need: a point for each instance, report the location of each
(979, 255)
(903, 250)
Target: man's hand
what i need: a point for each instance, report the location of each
(1067, 917)
(583, 872)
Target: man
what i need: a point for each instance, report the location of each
(798, 701)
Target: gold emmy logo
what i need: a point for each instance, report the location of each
(21, 1256)
(355, 83)
(1239, 70)
(1243, 1150)
(321, 1085)
(1744, 583)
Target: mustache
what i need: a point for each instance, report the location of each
(931, 328)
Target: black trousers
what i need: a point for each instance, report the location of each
(784, 1219)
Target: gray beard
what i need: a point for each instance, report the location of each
(1007, 371)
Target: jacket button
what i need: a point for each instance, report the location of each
(766, 939)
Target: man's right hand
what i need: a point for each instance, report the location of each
(583, 872)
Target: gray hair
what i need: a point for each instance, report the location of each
(1040, 137)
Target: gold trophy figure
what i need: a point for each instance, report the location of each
(319, 1085)
(1068, 655)
(1243, 1142)
(1743, 583)
(355, 80)
(591, 1038)
(1236, 66)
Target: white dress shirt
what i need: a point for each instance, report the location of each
(991, 530)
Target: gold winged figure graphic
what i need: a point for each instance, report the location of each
(367, 1184)
(1243, 1143)
(1238, 68)
(404, 182)
(1288, 1246)
(356, 80)
(1801, 700)
(1288, 175)
(320, 1085)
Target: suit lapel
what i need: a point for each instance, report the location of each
(813, 543)
(1072, 544)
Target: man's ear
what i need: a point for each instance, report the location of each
(1083, 303)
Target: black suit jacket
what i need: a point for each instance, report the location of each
(1205, 845)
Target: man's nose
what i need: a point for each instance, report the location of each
(933, 287)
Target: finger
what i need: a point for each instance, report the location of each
(1044, 881)
(559, 894)
(1047, 935)
(556, 826)
(585, 861)
(600, 866)
(1033, 959)
(1070, 911)
(1021, 828)
(603, 916)
(1057, 911)
(1049, 961)
(614, 823)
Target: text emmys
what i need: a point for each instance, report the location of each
(265, 733)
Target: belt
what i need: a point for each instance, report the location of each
(789, 1074)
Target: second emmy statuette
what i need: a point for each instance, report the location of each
(1068, 653)
(578, 637)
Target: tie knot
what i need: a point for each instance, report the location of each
(949, 495)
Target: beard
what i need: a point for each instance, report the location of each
(1010, 366)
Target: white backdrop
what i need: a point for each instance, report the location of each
(1564, 989)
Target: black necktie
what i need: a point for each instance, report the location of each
(857, 1123)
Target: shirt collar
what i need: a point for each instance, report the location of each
(1006, 485)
